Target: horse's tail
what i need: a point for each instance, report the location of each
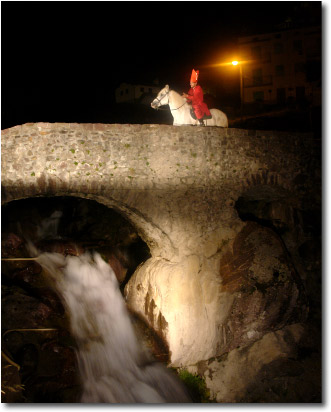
(226, 121)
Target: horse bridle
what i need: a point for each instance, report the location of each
(160, 100)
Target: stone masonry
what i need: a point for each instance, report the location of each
(179, 186)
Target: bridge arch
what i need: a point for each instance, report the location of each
(173, 183)
(153, 236)
(178, 186)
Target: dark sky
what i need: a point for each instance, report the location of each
(67, 53)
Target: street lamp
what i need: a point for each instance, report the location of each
(236, 63)
(240, 64)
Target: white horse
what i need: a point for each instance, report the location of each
(180, 109)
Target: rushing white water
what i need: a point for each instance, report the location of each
(49, 226)
(114, 367)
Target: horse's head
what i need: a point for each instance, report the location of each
(162, 98)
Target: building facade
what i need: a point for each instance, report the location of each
(282, 67)
(133, 93)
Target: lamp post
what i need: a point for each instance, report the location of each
(236, 63)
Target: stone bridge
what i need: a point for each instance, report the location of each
(187, 190)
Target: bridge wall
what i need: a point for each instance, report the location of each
(174, 183)
(178, 186)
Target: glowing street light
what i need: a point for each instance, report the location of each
(240, 64)
(236, 63)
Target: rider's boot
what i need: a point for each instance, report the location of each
(201, 122)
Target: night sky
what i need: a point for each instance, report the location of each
(61, 61)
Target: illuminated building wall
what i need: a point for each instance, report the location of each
(282, 66)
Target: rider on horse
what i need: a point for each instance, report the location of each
(195, 96)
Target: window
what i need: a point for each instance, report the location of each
(278, 36)
(281, 96)
(313, 47)
(257, 76)
(278, 48)
(297, 46)
(299, 68)
(258, 96)
(300, 93)
(142, 89)
(280, 70)
(256, 52)
(313, 70)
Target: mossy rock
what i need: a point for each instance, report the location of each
(196, 386)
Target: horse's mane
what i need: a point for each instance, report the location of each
(177, 95)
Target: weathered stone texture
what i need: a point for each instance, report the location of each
(267, 293)
(162, 177)
(232, 378)
(213, 282)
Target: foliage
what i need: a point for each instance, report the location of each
(196, 386)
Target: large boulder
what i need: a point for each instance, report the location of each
(207, 307)
(169, 297)
(268, 370)
(265, 289)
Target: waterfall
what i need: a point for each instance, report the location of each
(114, 367)
(49, 226)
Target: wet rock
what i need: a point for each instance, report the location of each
(27, 357)
(257, 291)
(124, 259)
(47, 363)
(118, 268)
(153, 342)
(57, 360)
(10, 243)
(57, 377)
(261, 372)
(170, 299)
(28, 275)
(12, 342)
(50, 298)
(267, 292)
(60, 246)
(22, 311)
(47, 358)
